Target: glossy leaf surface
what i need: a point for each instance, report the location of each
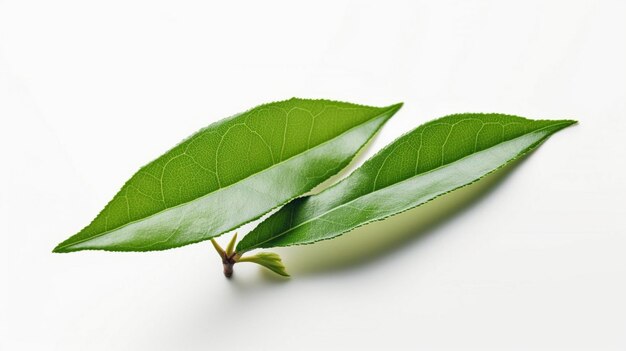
(433, 159)
(230, 173)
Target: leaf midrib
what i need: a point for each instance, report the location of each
(398, 183)
(230, 185)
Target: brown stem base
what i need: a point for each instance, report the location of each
(228, 263)
(229, 256)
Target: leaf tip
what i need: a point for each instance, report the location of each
(563, 123)
(60, 249)
(569, 122)
(395, 107)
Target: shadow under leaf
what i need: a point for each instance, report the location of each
(376, 240)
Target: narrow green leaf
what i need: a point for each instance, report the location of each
(268, 260)
(230, 249)
(433, 159)
(218, 249)
(230, 173)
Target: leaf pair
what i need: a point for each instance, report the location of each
(240, 168)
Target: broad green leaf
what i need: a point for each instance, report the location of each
(433, 159)
(230, 173)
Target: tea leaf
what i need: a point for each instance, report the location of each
(432, 160)
(230, 173)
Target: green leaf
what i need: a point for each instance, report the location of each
(268, 260)
(230, 249)
(230, 173)
(433, 159)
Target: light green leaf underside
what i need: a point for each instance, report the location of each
(433, 159)
(230, 173)
(268, 260)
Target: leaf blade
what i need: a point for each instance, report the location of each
(227, 174)
(379, 189)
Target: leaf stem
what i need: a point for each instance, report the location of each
(229, 257)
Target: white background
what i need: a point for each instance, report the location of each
(533, 258)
